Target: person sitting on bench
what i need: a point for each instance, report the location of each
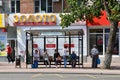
(57, 58)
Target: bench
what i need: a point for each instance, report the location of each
(52, 62)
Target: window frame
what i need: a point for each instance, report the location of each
(40, 10)
(15, 6)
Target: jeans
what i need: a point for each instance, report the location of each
(65, 60)
(35, 63)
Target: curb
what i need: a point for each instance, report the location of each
(57, 73)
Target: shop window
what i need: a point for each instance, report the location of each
(116, 46)
(108, 30)
(15, 6)
(97, 39)
(43, 6)
(96, 30)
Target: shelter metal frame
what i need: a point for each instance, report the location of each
(68, 34)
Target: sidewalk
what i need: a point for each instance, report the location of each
(5, 67)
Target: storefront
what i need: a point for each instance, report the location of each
(46, 25)
(3, 38)
(99, 33)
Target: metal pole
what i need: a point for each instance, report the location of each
(26, 50)
(69, 43)
(44, 43)
(32, 45)
(57, 43)
(82, 50)
(79, 49)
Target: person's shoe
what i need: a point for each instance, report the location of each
(56, 67)
(65, 67)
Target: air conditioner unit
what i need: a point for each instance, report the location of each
(1, 3)
(55, 0)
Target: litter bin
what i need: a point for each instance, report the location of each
(18, 61)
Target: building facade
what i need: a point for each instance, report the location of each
(24, 11)
(98, 34)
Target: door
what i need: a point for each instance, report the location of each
(13, 46)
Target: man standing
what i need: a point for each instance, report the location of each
(94, 54)
(9, 52)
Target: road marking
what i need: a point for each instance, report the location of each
(36, 75)
(109, 76)
(91, 76)
(58, 75)
(87, 75)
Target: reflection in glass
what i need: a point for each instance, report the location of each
(116, 46)
(97, 39)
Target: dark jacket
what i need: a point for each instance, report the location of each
(56, 55)
(73, 56)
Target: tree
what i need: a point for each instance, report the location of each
(86, 10)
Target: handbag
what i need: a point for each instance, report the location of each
(59, 58)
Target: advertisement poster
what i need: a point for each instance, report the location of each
(3, 40)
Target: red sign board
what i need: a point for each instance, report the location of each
(34, 23)
(69, 45)
(35, 45)
(50, 45)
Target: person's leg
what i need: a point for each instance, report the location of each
(45, 62)
(56, 63)
(65, 61)
(72, 63)
(36, 63)
(48, 62)
(59, 63)
(11, 58)
(8, 57)
(93, 61)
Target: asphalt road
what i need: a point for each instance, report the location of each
(45, 76)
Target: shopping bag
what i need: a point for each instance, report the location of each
(98, 60)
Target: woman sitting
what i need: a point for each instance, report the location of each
(57, 58)
(46, 58)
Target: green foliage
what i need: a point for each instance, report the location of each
(79, 8)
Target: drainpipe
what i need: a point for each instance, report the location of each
(62, 5)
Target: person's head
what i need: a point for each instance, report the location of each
(36, 51)
(45, 51)
(8, 45)
(94, 46)
(55, 50)
(73, 52)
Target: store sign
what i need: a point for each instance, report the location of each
(2, 22)
(34, 20)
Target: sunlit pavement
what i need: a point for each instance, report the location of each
(10, 67)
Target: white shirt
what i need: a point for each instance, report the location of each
(65, 51)
(36, 56)
(94, 51)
